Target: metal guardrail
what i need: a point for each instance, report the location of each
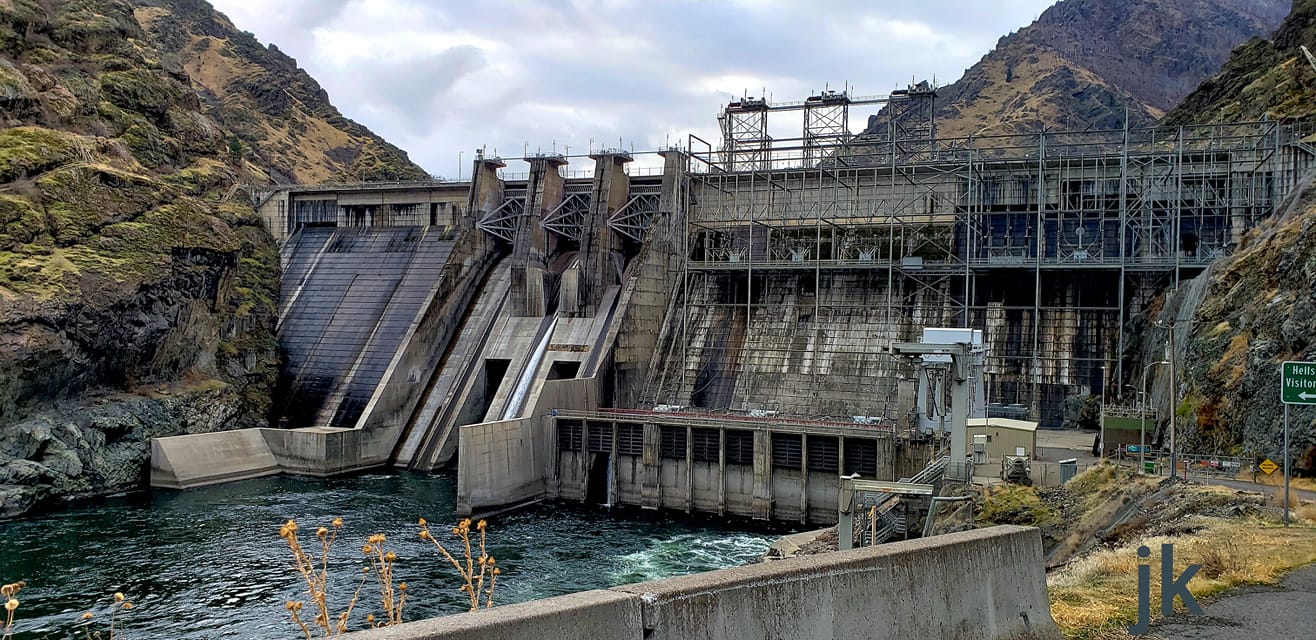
(718, 420)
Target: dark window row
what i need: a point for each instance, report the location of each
(671, 443)
(787, 448)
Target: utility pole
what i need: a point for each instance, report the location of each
(1101, 438)
(1174, 405)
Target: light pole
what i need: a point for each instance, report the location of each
(1142, 419)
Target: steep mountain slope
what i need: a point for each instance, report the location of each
(1082, 62)
(273, 107)
(137, 287)
(1269, 78)
(1256, 308)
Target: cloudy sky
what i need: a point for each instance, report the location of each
(439, 78)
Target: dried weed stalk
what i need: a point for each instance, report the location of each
(474, 583)
(315, 572)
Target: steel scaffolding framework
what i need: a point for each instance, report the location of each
(807, 257)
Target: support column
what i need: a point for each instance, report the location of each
(804, 478)
(529, 261)
(486, 190)
(584, 460)
(668, 227)
(651, 490)
(722, 471)
(613, 468)
(762, 475)
(689, 469)
(600, 248)
(959, 413)
(845, 515)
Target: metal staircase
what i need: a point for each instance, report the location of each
(880, 522)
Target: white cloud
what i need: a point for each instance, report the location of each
(441, 78)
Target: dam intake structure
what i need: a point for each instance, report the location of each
(714, 334)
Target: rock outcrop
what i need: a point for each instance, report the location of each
(137, 287)
(1256, 308)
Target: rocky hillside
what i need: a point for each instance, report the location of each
(1269, 78)
(137, 287)
(1084, 61)
(281, 118)
(1256, 308)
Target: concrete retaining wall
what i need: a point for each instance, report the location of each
(987, 584)
(322, 451)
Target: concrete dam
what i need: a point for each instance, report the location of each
(714, 333)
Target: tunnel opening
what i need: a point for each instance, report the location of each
(563, 370)
(596, 489)
(495, 369)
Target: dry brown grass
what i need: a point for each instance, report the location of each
(1095, 598)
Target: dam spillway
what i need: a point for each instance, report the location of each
(767, 277)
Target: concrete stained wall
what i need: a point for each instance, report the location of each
(511, 461)
(320, 451)
(987, 584)
(807, 346)
(427, 340)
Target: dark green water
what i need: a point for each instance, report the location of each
(208, 563)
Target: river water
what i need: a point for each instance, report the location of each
(208, 563)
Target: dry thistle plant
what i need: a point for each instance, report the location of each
(11, 605)
(315, 572)
(382, 563)
(474, 586)
(118, 603)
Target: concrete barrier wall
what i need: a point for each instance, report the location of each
(183, 462)
(196, 460)
(987, 584)
(983, 584)
(326, 451)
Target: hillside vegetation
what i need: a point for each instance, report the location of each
(137, 286)
(1094, 524)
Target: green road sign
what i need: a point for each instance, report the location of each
(1298, 383)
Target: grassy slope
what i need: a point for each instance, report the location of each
(1094, 525)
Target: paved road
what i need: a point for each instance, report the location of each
(1244, 485)
(1281, 612)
